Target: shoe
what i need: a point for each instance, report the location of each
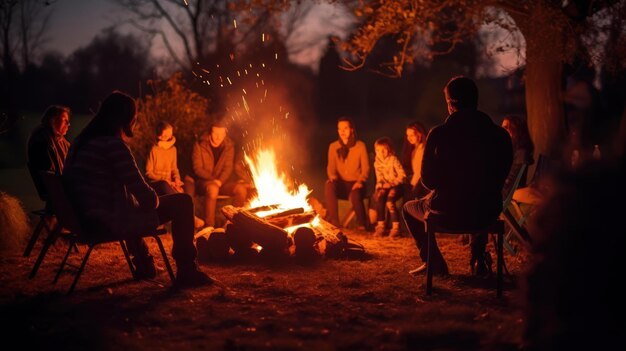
(436, 270)
(482, 266)
(198, 222)
(191, 278)
(418, 270)
(380, 230)
(144, 268)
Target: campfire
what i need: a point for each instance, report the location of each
(279, 219)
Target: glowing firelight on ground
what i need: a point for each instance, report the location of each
(272, 186)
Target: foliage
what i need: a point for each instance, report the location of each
(444, 24)
(14, 225)
(174, 102)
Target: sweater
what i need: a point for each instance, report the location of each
(161, 163)
(354, 168)
(389, 172)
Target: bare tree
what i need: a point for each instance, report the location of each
(192, 30)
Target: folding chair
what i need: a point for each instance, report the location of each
(436, 224)
(68, 219)
(45, 215)
(514, 225)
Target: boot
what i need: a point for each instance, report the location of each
(394, 232)
(192, 277)
(144, 267)
(380, 229)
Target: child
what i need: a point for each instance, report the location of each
(389, 178)
(161, 165)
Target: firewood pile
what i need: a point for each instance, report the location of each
(249, 234)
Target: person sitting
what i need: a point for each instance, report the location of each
(348, 168)
(162, 165)
(212, 161)
(523, 149)
(412, 154)
(242, 186)
(47, 147)
(466, 161)
(110, 193)
(389, 178)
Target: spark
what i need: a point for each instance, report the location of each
(263, 65)
(235, 23)
(245, 70)
(238, 74)
(245, 104)
(262, 82)
(244, 91)
(287, 115)
(231, 83)
(276, 55)
(263, 37)
(265, 94)
(186, 3)
(205, 70)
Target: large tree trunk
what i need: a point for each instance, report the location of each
(546, 119)
(545, 47)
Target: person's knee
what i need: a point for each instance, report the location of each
(212, 191)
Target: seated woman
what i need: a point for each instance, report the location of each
(348, 168)
(523, 149)
(412, 153)
(162, 165)
(107, 188)
(389, 178)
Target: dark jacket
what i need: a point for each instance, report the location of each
(466, 161)
(204, 166)
(46, 152)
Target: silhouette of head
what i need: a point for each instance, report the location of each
(461, 93)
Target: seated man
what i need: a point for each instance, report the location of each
(212, 162)
(47, 146)
(466, 161)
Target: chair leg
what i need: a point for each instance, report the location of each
(500, 260)
(127, 256)
(80, 270)
(46, 245)
(429, 271)
(67, 254)
(165, 259)
(35, 236)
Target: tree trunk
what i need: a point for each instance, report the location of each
(546, 120)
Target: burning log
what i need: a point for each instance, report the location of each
(285, 213)
(267, 235)
(292, 220)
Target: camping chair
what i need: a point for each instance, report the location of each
(514, 225)
(68, 219)
(44, 214)
(436, 224)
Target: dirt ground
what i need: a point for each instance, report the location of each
(368, 304)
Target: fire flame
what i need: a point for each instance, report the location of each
(272, 186)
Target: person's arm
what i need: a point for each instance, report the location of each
(125, 169)
(379, 174)
(400, 174)
(175, 172)
(365, 164)
(150, 164)
(430, 173)
(331, 167)
(229, 162)
(197, 165)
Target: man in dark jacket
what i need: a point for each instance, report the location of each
(47, 146)
(212, 160)
(466, 161)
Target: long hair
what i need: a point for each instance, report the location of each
(521, 137)
(407, 148)
(114, 116)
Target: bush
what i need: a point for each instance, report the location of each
(14, 224)
(174, 102)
